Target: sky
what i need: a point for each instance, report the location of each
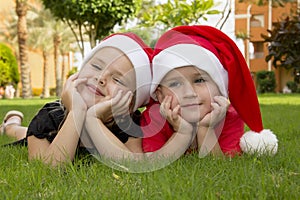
(228, 27)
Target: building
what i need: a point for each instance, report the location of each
(251, 21)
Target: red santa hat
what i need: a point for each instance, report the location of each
(214, 52)
(139, 54)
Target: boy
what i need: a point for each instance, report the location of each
(192, 67)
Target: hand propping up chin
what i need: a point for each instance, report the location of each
(217, 114)
(109, 108)
(173, 117)
(70, 97)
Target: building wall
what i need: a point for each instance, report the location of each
(36, 66)
(257, 21)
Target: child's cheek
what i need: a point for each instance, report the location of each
(112, 90)
(174, 102)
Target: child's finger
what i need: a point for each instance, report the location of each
(175, 112)
(71, 79)
(218, 112)
(74, 76)
(165, 106)
(176, 109)
(79, 81)
(164, 100)
(215, 106)
(222, 101)
(163, 110)
(121, 99)
(106, 98)
(117, 97)
(168, 102)
(125, 100)
(120, 105)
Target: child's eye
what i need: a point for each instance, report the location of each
(119, 81)
(199, 80)
(174, 84)
(96, 66)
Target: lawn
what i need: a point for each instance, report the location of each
(244, 177)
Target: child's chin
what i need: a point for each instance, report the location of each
(191, 119)
(89, 102)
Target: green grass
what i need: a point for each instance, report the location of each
(244, 177)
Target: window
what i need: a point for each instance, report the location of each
(256, 50)
(257, 21)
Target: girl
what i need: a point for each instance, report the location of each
(195, 70)
(116, 74)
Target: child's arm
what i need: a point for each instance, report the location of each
(183, 135)
(64, 145)
(111, 147)
(106, 143)
(106, 111)
(208, 141)
(206, 137)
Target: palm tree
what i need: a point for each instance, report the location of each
(60, 34)
(69, 45)
(56, 44)
(21, 10)
(62, 39)
(38, 40)
(40, 32)
(38, 17)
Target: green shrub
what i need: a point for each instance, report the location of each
(9, 72)
(38, 91)
(292, 86)
(266, 81)
(52, 91)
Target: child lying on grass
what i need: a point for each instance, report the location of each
(115, 76)
(195, 70)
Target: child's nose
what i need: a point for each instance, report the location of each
(101, 80)
(189, 91)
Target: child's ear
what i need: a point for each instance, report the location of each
(159, 94)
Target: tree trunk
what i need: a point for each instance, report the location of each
(57, 41)
(46, 92)
(21, 10)
(63, 69)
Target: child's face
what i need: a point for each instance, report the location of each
(107, 72)
(192, 89)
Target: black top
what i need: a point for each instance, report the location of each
(49, 119)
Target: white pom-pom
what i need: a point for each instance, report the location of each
(261, 143)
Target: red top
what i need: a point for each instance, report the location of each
(157, 130)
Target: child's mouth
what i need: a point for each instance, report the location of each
(191, 105)
(95, 90)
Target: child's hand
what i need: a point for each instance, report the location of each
(217, 114)
(70, 96)
(173, 116)
(111, 107)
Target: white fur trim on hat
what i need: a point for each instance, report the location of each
(181, 55)
(139, 60)
(264, 142)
